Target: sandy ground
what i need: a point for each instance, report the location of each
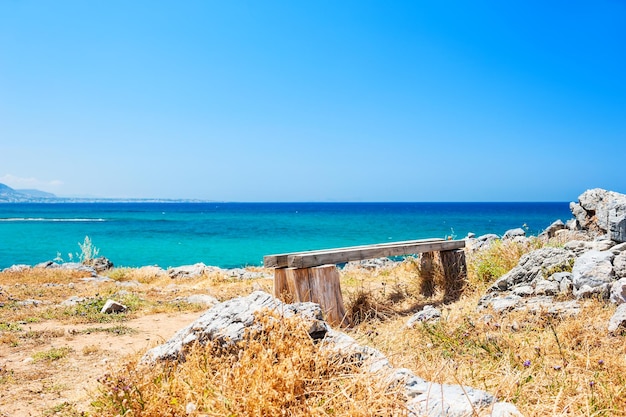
(39, 387)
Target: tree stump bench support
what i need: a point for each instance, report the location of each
(313, 275)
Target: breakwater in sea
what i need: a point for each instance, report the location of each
(239, 234)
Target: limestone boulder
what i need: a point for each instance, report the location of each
(513, 233)
(602, 212)
(581, 246)
(480, 242)
(227, 322)
(618, 291)
(617, 324)
(593, 273)
(187, 271)
(617, 220)
(619, 265)
(540, 263)
(551, 230)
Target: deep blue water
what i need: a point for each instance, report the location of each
(239, 234)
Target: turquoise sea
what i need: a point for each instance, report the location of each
(239, 234)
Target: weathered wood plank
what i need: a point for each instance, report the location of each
(324, 282)
(281, 260)
(317, 258)
(427, 274)
(281, 289)
(298, 284)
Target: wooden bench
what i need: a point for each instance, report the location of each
(313, 275)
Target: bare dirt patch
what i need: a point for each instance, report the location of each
(53, 367)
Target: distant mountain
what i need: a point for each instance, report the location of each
(10, 195)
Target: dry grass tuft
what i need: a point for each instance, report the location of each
(364, 306)
(277, 371)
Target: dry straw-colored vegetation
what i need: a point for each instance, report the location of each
(277, 371)
(546, 365)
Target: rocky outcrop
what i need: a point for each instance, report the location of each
(535, 266)
(601, 212)
(593, 264)
(188, 271)
(199, 269)
(228, 321)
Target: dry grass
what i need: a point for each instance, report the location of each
(278, 371)
(150, 293)
(546, 365)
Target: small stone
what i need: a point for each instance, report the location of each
(113, 307)
(429, 313)
(72, 301)
(510, 234)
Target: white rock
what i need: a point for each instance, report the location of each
(617, 324)
(428, 313)
(618, 291)
(592, 273)
(113, 307)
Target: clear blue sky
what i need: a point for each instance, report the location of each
(314, 100)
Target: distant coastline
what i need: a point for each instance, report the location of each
(11, 195)
(65, 200)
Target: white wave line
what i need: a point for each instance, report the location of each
(43, 219)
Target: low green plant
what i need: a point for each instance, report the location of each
(120, 329)
(10, 327)
(52, 355)
(64, 409)
(489, 264)
(6, 375)
(89, 311)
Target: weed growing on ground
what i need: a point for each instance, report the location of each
(88, 252)
(487, 265)
(52, 355)
(117, 330)
(64, 409)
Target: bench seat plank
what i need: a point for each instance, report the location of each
(281, 260)
(341, 255)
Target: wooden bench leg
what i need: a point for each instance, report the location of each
(427, 274)
(281, 290)
(454, 273)
(319, 284)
